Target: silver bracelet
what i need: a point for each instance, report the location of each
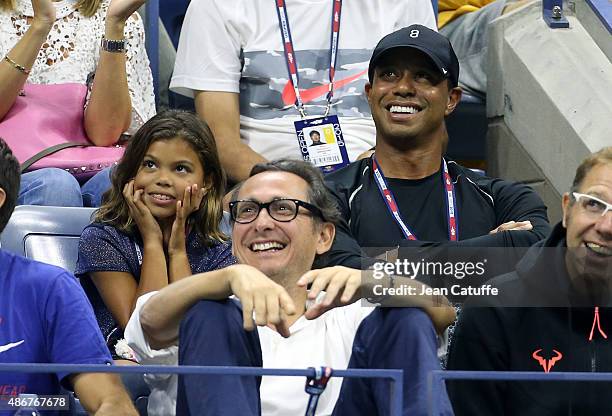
(114, 46)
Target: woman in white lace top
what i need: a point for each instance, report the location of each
(66, 41)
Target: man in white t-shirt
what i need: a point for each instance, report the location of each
(283, 217)
(231, 60)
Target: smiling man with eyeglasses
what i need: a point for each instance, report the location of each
(563, 322)
(284, 217)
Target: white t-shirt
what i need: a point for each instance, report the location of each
(235, 46)
(325, 341)
(162, 400)
(72, 51)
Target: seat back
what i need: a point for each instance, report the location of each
(152, 41)
(467, 130)
(47, 234)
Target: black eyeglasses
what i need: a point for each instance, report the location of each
(282, 210)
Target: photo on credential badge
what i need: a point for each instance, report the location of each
(331, 153)
(323, 149)
(315, 138)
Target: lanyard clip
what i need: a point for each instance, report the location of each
(327, 108)
(300, 109)
(315, 386)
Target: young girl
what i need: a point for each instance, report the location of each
(158, 223)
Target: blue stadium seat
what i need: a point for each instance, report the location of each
(467, 130)
(172, 13)
(434, 4)
(47, 234)
(152, 41)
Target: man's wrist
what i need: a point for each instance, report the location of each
(229, 275)
(376, 290)
(233, 272)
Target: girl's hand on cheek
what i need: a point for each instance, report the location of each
(192, 199)
(147, 224)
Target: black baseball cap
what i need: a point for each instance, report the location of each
(428, 41)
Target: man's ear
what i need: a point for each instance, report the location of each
(565, 205)
(368, 88)
(327, 232)
(2, 197)
(454, 96)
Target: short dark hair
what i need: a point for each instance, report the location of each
(318, 194)
(313, 132)
(603, 156)
(10, 176)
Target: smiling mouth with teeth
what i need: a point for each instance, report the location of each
(161, 197)
(267, 246)
(403, 109)
(601, 250)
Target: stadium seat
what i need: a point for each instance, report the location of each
(151, 16)
(467, 130)
(47, 234)
(172, 13)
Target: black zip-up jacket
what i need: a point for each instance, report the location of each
(483, 204)
(538, 339)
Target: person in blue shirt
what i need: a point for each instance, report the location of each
(46, 318)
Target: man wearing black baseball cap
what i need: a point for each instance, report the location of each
(421, 38)
(407, 194)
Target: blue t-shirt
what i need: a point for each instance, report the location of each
(103, 248)
(44, 318)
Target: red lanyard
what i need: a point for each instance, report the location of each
(290, 57)
(387, 195)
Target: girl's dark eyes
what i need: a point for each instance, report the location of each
(179, 168)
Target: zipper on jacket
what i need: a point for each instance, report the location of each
(593, 358)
